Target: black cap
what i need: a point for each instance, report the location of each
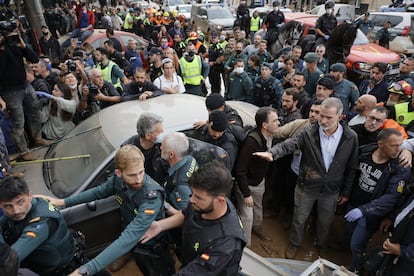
(328, 82)
(214, 101)
(214, 34)
(155, 50)
(218, 120)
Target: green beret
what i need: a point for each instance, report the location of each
(338, 67)
(311, 57)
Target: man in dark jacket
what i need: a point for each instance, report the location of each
(376, 192)
(13, 85)
(327, 171)
(141, 88)
(250, 172)
(50, 46)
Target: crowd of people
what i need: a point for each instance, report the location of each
(333, 143)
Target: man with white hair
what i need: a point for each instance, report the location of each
(174, 149)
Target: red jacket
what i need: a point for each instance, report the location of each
(91, 17)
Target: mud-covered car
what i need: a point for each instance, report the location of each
(99, 137)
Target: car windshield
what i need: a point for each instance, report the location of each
(184, 9)
(175, 2)
(65, 177)
(219, 13)
(360, 38)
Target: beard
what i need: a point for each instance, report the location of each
(206, 210)
(390, 103)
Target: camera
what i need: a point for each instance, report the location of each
(8, 25)
(93, 90)
(71, 65)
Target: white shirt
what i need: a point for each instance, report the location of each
(161, 82)
(329, 144)
(356, 120)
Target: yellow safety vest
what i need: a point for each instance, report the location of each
(402, 116)
(191, 71)
(128, 26)
(107, 74)
(254, 24)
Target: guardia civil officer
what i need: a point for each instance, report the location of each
(34, 229)
(213, 239)
(216, 58)
(325, 24)
(141, 201)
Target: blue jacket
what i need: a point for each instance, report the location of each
(387, 192)
(380, 90)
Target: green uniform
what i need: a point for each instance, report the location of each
(139, 208)
(312, 80)
(176, 184)
(264, 57)
(42, 239)
(239, 87)
(348, 92)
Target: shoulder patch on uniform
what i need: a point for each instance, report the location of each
(36, 219)
(149, 211)
(31, 234)
(400, 187)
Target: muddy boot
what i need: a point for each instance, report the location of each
(28, 157)
(258, 231)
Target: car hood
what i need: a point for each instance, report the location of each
(225, 22)
(371, 53)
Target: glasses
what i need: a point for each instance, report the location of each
(405, 63)
(377, 120)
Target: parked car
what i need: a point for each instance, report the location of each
(342, 11)
(363, 52)
(100, 136)
(402, 25)
(98, 37)
(263, 11)
(212, 17)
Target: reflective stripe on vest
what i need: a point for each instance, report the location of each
(254, 24)
(191, 71)
(107, 74)
(402, 116)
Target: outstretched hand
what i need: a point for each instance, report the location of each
(265, 155)
(54, 201)
(43, 94)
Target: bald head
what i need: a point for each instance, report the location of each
(365, 104)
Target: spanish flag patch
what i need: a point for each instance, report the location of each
(178, 199)
(149, 211)
(205, 257)
(31, 234)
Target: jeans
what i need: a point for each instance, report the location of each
(76, 33)
(14, 101)
(358, 234)
(303, 206)
(251, 216)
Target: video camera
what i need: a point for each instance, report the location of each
(8, 25)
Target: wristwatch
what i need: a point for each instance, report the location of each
(83, 270)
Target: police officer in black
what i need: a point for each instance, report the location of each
(34, 229)
(273, 21)
(216, 58)
(325, 24)
(213, 239)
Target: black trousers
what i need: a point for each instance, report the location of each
(215, 78)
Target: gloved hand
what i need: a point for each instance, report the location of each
(326, 37)
(279, 25)
(43, 94)
(353, 215)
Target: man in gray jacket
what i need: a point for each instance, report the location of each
(327, 170)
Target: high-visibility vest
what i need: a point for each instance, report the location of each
(127, 25)
(191, 71)
(107, 73)
(402, 116)
(254, 24)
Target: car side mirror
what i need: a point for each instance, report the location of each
(91, 206)
(203, 16)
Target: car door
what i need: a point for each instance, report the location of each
(99, 220)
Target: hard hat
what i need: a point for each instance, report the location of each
(401, 87)
(193, 36)
(153, 11)
(174, 13)
(166, 14)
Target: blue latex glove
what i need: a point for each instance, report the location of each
(326, 37)
(42, 94)
(279, 25)
(353, 215)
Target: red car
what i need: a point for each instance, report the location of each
(363, 52)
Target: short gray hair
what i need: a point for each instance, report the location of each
(177, 142)
(333, 102)
(146, 123)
